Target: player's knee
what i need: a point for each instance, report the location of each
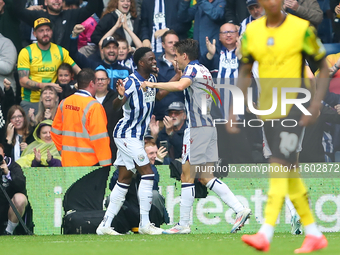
(20, 201)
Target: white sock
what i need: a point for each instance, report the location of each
(145, 198)
(117, 198)
(290, 206)
(223, 191)
(267, 230)
(313, 230)
(11, 226)
(187, 200)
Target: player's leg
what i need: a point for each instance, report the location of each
(20, 202)
(219, 187)
(117, 198)
(187, 190)
(314, 240)
(296, 228)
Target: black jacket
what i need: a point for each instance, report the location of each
(113, 117)
(106, 23)
(64, 22)
(17, 184)
(236, 11)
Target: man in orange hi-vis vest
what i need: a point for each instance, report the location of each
(79, 127)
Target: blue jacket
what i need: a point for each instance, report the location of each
(171, 20)
(208, 19)
(114, 70)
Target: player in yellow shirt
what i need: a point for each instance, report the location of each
(38, 64)
(280, 42)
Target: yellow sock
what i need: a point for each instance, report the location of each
(278, 188)
(298, 195)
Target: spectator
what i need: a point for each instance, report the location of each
(157, 17)
(66, 81)
(208, 16)
(42, 152)
(14, 182)
(48, 105)
(110, 20)
(38, 63)
(305, 9)
(105, 96)
(335, 7)
(7, 99)
(125, 58)
(173, 131)
(70, 4)
(256, 11)
(165, 73)
(17, 132)
(8, 60)
(10, 23)
(79, 127)
(236, 11)
(109, 61)
(63, 21)
(85, 44)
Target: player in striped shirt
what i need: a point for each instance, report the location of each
(200, 138)
(129, 138)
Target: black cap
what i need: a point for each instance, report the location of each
(109, 39)
(251, 2)
(176, 106)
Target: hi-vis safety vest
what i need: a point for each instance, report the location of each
(79, 131)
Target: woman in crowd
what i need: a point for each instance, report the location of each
(42, 152)
(48, 105)
(118, 18)
(17, 132)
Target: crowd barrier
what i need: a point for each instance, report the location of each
(46, 188)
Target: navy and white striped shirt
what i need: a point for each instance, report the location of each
(244, 24)
(158, 23)
(138, 108)
(196, 96)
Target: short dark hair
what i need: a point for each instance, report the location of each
(103, 70)
(3, 147)
(140, 53)
(71, 2)
(188, 46)
(169, 32)
(85, 76)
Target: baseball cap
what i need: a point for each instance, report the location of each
(109, 39)
(176, 106)
(42, 21)
(251, 2)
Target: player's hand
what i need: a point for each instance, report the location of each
(120, 87)
(154, 126)
(7, 84)
(37, 155)
(78, 29)
(231, 127)
(307, 120)
(211, 47)
(161, 153)
(146, 84)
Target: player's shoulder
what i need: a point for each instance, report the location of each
(256, 24)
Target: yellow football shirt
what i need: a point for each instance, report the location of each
(42, 66)
(281, 53)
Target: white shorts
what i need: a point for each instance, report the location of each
(200, 145)
(130, 151)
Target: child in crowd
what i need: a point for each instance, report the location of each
(66, 81)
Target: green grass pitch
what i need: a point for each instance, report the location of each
(195, 244)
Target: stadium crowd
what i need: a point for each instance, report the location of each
(47, 51)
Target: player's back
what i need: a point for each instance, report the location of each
(197, 99)
(138, 108)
